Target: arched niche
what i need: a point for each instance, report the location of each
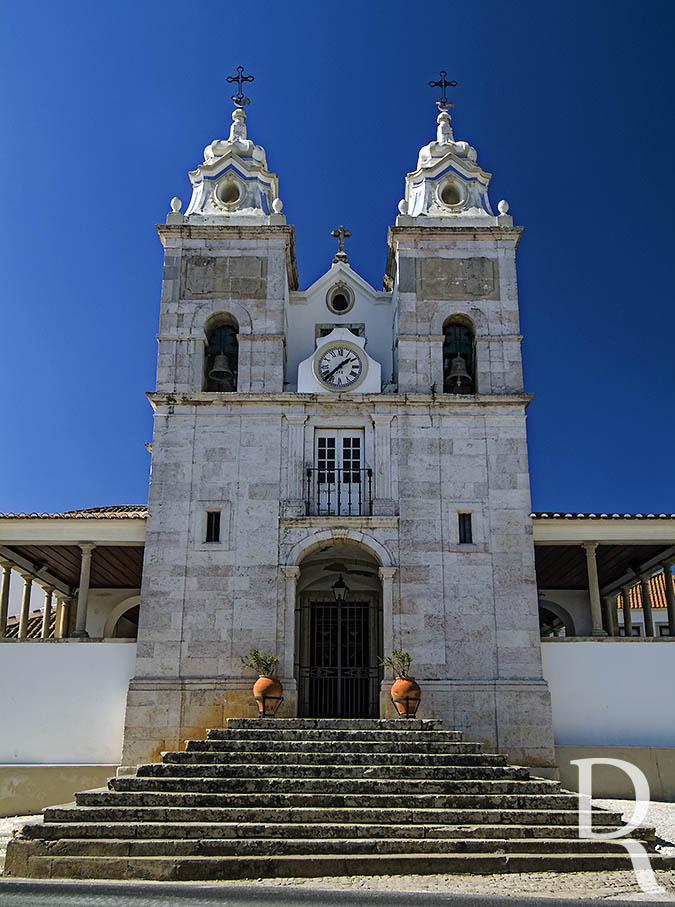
(459, 355)
(221, 353)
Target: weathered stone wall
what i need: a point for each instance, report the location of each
(223, 270)
(451, 271)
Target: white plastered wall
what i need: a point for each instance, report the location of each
(611, 692)
(63, 702)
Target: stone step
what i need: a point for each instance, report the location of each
(215, 847)
(400, 815)
(319, 800)
(313, 830)
(273, 735)
(176, 869)
(297, 797)
(230, 745)
(384, 775)
(334, 724)
(372, 757)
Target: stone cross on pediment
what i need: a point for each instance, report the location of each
(341, 234)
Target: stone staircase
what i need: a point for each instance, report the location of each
(294, 797)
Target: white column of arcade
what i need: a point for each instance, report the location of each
(594, 589)
(47, 613)
(80, 630)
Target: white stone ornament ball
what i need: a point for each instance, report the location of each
(403, 206)
(503, 207)
(277, 206)
(176, 204)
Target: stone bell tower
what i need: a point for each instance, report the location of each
(465, 499)
(212, 535)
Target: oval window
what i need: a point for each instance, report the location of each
(451, 194)
(340, 299)
(229, 192)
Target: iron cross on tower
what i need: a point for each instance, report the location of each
(341, 234)
(240, 78)
(443, 84)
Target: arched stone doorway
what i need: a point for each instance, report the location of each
(338, 642)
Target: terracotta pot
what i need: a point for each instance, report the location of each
(406, 694)
(268, 693)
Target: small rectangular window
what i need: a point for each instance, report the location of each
(213, 526)
(663, 630)
(465, 532)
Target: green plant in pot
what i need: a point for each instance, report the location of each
(405, 692)
(267, 690)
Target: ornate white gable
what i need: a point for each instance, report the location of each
(233, 185)
(448, 185)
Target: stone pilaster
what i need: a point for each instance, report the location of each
(387, 575)
(295, 502)
(286, 639)
(383, 504)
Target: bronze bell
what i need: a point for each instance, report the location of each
(458, 373)
(221, 370)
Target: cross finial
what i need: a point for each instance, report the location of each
(443, 84)
(341, 234)
(240, 78)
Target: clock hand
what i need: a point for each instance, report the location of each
(337, 368)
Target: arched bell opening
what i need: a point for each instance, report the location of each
(221, 359)
(338, 632)
(459, 356)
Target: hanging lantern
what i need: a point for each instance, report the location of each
(221, 370)
(340, 589)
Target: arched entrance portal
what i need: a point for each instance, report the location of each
(338, 641)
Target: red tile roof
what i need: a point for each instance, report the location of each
(34, 629)
(118, 512)
(540, 515)
(657, 586)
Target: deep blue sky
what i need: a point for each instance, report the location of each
(106, 106)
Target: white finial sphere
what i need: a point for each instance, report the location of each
(403, 206)
(277, 206)
(176, 204)
(503, 207)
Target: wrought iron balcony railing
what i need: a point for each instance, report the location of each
(338, 492)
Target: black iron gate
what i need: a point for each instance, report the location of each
(339, 679)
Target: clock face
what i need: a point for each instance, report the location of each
(340, 366)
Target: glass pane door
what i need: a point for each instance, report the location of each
(339, 473)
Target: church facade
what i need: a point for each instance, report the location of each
(340, 436)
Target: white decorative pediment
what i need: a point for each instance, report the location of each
(233, 183)
(448, 185)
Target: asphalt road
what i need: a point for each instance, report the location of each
(129, 894)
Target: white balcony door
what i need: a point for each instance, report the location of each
(339, 478)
